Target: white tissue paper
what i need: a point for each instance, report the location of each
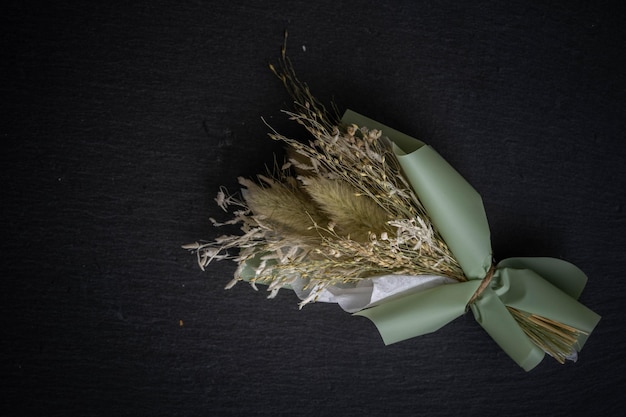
(371, 291)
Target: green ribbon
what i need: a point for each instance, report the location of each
(547, 287)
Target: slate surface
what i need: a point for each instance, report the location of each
(121, 120)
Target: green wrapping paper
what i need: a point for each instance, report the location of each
(546, 287)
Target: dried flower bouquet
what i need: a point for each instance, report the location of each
(368, 217)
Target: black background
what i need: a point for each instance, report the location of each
(121, 120)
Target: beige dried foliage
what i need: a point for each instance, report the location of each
(351, 214)
(284, 207)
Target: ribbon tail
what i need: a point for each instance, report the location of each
(420, 313)
(534, 294)
(494, 317)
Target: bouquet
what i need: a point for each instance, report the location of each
(367, 217)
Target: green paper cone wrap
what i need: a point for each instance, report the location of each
(546, 287)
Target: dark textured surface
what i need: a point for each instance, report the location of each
(121, 121)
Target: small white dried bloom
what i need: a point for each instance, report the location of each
(223, 199)
(313, 295)
(273, 288)
(231, 283)
(374, 134)
(191, 246)
(208, 254)
(231, 221)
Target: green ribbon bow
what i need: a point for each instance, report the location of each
(546, 287)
